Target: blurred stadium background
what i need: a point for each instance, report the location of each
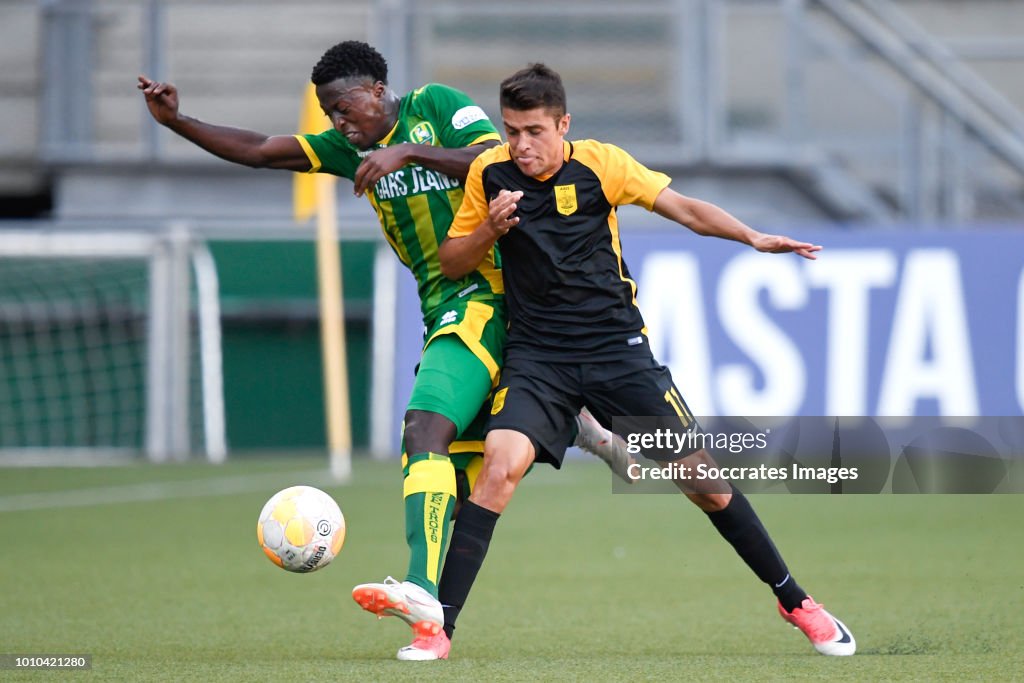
(188, 321)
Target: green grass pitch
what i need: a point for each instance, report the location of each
(156, 573)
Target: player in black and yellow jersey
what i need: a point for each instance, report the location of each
(575, 332)
(409, 155)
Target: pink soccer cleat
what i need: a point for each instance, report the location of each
(426, 648)
(828, 635)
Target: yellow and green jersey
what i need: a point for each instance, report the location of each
(416, 205)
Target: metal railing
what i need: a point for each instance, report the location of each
(965, 102)
(665, 78)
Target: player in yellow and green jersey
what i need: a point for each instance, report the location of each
(409, 155)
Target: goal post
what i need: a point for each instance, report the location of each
(109, 346)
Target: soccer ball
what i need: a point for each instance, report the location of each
(301, 529)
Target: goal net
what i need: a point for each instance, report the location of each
(109, 346)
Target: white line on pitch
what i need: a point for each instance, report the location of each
(153, 491)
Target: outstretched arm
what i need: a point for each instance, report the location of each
(233, 144)
(452, 162)
(460, 256)
(707, 219)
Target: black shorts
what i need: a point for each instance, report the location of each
(541, 399)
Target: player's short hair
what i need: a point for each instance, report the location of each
(352, 58)
(537, 86)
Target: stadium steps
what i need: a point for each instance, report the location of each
(20, 171)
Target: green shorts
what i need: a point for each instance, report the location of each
(459, 368)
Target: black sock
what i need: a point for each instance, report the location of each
(470, 539)
(738, 524)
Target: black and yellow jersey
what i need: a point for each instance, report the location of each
(566, 285)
